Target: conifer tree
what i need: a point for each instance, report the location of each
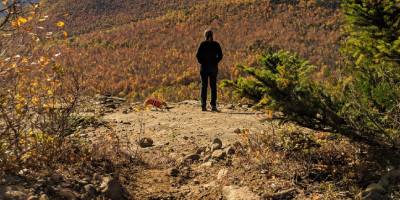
(372, 84)
(364, 104)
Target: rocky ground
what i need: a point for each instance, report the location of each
(183, 153)
(189, 153)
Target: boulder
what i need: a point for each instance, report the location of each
(112, 106)
(146, 142)
(112, 188)
(216, 144)
(230, 150)
(201, 150)
(218, 154)
(43, 197)
(207, 164)
(109, 101)
(90, 190)
(376, 188)
(239, 193)
(174, 172)
(191, 158)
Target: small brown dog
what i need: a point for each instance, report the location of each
(155, 103)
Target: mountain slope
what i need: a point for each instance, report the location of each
(92, 15)
(132, 47)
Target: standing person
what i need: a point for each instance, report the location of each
(209, 55)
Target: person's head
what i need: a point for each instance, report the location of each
(209, 35)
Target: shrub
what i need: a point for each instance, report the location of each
(282, 82)
(372, 77)
(38, 97)
(364, 103)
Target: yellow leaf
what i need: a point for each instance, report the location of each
(65, 34)
(19, 21)
(22, 20)
(60, 24)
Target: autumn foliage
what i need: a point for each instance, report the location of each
(151, 52)
(38, 95)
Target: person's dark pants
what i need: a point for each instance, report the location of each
(207, 77)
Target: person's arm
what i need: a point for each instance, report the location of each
(200, 54)
(220, 55)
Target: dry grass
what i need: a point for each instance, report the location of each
(317, 165)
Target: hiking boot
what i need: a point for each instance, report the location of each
(214, 109)
(203, 109)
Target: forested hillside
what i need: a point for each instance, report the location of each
(141, 48)
(93, 15)
(308, 105)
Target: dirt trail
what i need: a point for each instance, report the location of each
(178, 133)
(186, 120)
(190, 154)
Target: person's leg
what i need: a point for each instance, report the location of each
(213, 85)
(203, 93)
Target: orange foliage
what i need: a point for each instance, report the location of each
(136, 48)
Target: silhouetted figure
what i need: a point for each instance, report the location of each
(209, 55)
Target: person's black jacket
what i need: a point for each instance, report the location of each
(209, 55)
